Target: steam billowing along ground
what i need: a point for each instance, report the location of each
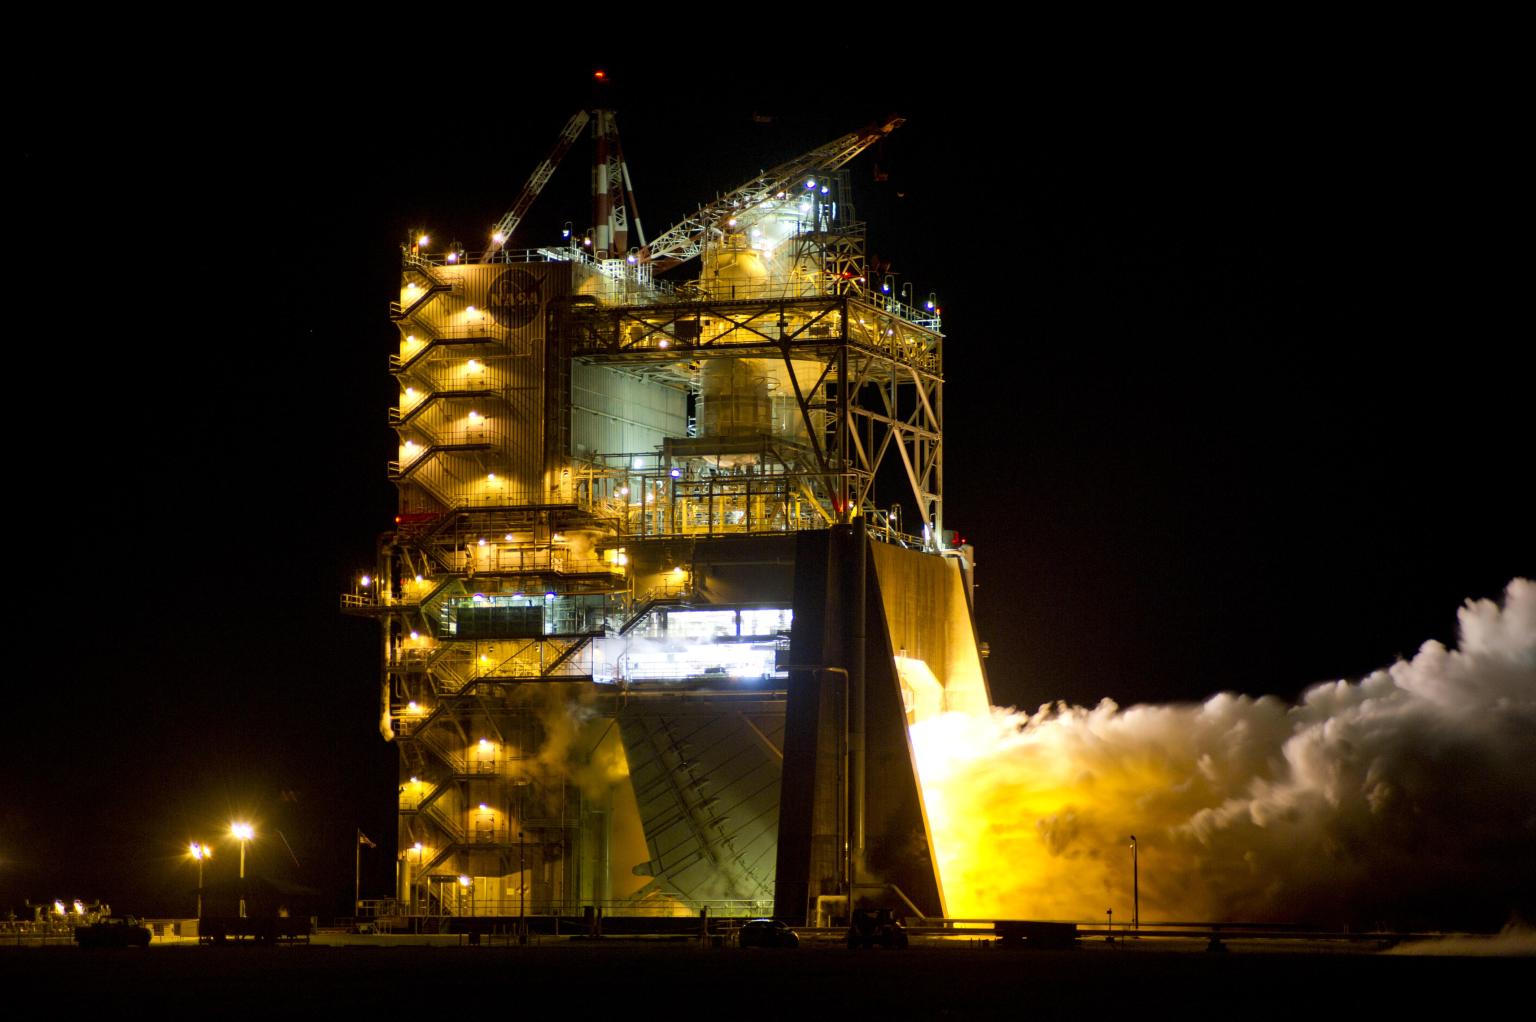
(1405, 799)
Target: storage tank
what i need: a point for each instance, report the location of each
(733, 269)
(742, 398)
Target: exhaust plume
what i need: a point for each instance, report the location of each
(1406, 799)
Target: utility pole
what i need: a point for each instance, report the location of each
(1135, 886)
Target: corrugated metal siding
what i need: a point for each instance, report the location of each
(612, 413)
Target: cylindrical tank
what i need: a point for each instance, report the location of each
(751, 397)
(733, 269)
(733, 399)
(742, 398)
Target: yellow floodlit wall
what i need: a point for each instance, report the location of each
(930, 621)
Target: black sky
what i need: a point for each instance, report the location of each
(1238, 397)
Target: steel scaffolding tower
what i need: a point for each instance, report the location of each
(627, 604)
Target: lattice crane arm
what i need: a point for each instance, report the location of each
(536, 182)
(685, 240)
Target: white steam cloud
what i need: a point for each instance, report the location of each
(1407, 798)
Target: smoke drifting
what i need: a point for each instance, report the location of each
(1407, 798)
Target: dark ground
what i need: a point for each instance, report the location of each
(684, 980)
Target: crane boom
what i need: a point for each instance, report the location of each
(536, 182)
(685, 240)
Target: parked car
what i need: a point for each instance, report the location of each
(876, 927)
(766, 933)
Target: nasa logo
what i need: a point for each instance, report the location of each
(514, 298)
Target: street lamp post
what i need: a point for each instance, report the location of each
(1135, 885)
(200, 851)
(242, 832)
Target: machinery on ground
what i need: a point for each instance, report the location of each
(113, 931)
(871, 927)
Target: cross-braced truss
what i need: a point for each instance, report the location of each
(877, 397)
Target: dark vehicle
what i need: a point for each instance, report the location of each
(876, 927)
(269, 930)
(115, 931)
(767, 933)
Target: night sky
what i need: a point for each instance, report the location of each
(1238, 398)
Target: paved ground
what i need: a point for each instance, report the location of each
(641, 980)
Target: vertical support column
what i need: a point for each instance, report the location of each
(938, 462)
(822, 815)
(842, 441)
(854, 556)
(811, 856)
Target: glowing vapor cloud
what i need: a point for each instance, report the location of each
(1407, 798)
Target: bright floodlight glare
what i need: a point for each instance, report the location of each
(423, 240)
(242, 831)
(498, 237)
